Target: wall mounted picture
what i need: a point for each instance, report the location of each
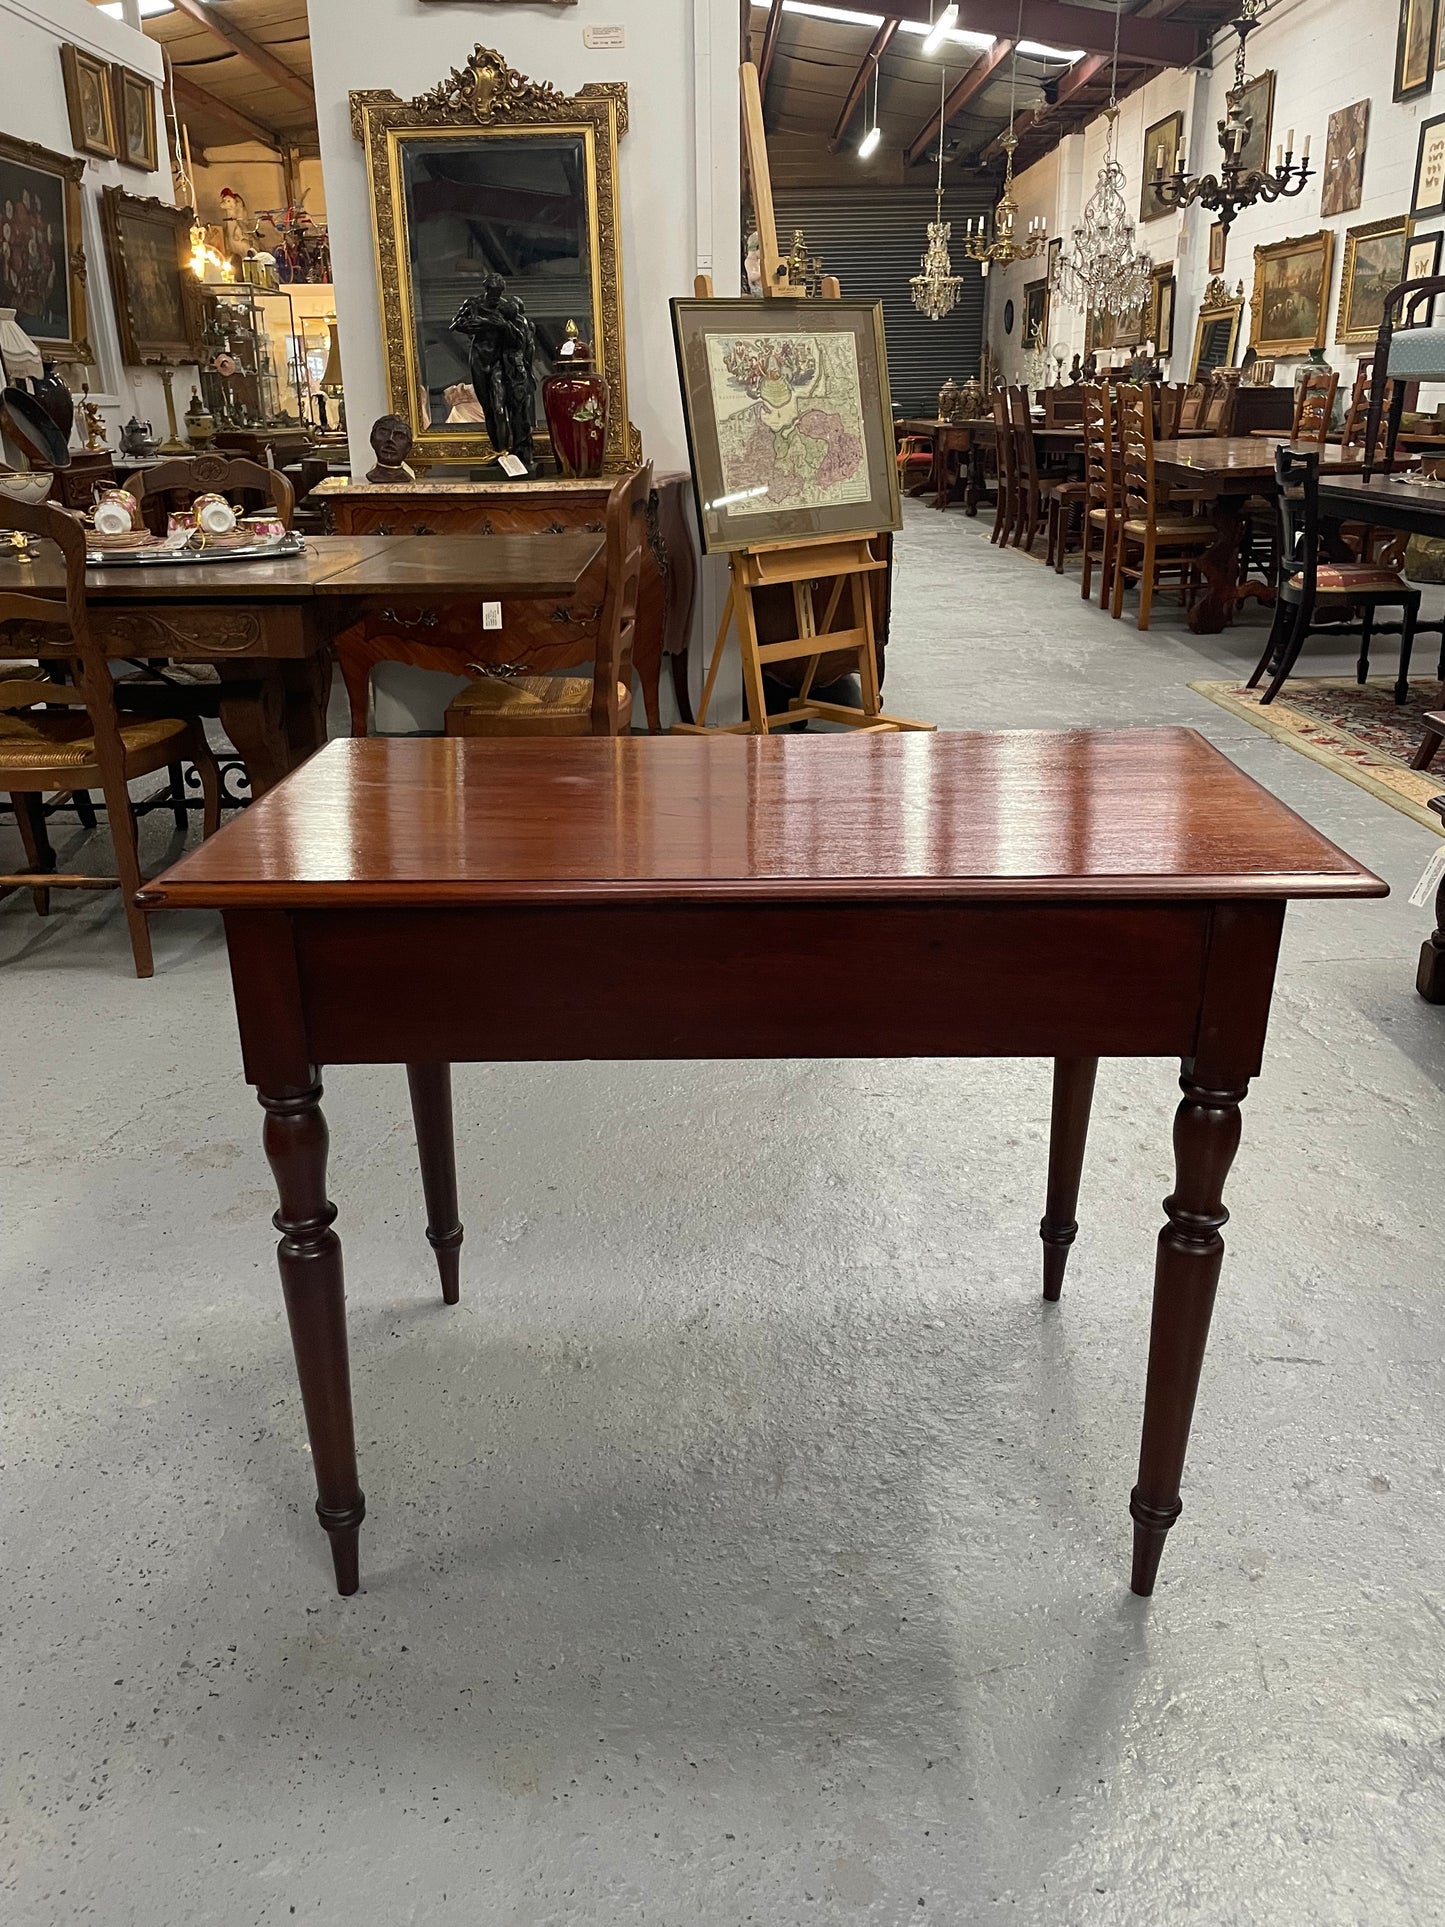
(1036, 313)
(1422, 263)
(1052, 259)
(42, 262)
(1429, 193)
(1374, 263)
(1292, 294)
(1343, 183)
(1159, 327)
(135, 119)
(1257, 102)
(1216, 336)
(88, 102)
(147, 245)
(1415, 48)
(1439, 38)
(1218, 236)
(1161, 144)
(789, 419)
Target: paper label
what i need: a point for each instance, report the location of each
(512, 465)
(491, 615)
(604, 39)
(1429, 883)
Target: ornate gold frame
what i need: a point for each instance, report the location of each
(31, 154)
(1218, 305)
(1323, 244)
(488, 98)
(119, 211)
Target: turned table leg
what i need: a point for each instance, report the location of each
(1186, 1272)
(431, 1110)
(309, 1256)
(1214, 606)
(1073, 1099)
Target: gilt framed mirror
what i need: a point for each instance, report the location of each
(494, 176)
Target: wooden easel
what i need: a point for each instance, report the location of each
(847, 561)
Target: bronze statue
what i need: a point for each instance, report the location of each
(502, 358)
(391, 444)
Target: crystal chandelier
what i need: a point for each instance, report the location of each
(935, 290)
(1234, 187)
(1105, 268)
(1002, 248)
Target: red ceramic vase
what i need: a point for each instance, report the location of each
(576, 399)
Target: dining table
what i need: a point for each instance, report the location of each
(1063, 894)
(1226, 470)
(267, 625)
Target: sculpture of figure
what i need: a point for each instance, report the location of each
(238, 234)
(391, 444)
(502, 360)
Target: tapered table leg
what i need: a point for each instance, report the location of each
(1186, 1272)
(1073, 1099)
(431, 1110)
(309, 1256)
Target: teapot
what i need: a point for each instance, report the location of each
(138, 438)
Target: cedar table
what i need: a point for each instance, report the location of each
(267, 627)
(1070, 894)
(1228, 469)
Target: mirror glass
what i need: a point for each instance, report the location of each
(478, 207)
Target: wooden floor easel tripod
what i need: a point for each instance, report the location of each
(845, 561)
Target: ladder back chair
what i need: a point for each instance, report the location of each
(46, 746)
(1028, 512)
(1006, 463)
(1099, 482)
(1314, 403)
(1166, 544)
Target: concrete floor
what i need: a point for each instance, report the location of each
(751, 1544)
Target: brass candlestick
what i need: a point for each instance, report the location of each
(172, 445)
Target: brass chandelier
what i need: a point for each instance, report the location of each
(1002, 249)
(1105, 269)
(936, 287)
(1235, 187)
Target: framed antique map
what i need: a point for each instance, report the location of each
(789, 419)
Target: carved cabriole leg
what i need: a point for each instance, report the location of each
(431, 1109)
(1186, 1272)
(253, 713)
(1073, 1099)
(309, 1256)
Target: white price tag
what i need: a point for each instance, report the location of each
(1425, 889)
(512, 465)
(604, 39)
(491, 615)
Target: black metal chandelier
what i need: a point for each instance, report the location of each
(1235, 187)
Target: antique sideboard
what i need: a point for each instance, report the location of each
(540, 637)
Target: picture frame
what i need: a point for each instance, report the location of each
(1257, 101)
(1130, 329)
(1374, 262)
(1415, 48)
(1036, 313)
(1164, 135)
(490, 138)
(135, 119)
(1342, 185)
(1439, 38)
(47, 289)
(147, 246)
(1290, 308)
(88, 102)
(785, 373)
(1218, 240)
(1160, 325)
(1422, 261)
(1427, 196)
(1216, 337)
(1052, 259)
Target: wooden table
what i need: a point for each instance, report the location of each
(1065, 894)
(268, 627)
(1228, 469)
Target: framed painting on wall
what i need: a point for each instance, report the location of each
(147, 245)
(135, 118)
(1422, 262)
(789, 419)
(1161, 144)
(1216, 337)
(88, 102)
(1415, 48)
(42, 261)
(1218, 235)
(1344, 178)
(1257, 101)
(1036, 313)
(1160, 326)
(1375, 257)
(1292, 294)
(1428, 196)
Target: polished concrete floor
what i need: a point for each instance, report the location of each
(751, 1544)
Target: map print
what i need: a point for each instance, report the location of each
(790, 423)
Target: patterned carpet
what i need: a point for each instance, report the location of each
(1357, 732)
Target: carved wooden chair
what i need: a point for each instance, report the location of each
(1166, 543)
(1314, 403)
(1304, 583)
(1191, 408)
(45, 746)
(1099, 508)
(1006, 462)
(1029, 501)
(173, 484)
(595, 705)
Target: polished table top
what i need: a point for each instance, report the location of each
(1035, 815)
(1242, 461)
(337, 565)
(1381, 492)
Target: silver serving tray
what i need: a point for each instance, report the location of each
(161, 558)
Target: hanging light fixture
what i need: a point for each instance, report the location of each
(868, 146)
(1234, 187)
(1104, 268)
(936, 289)
(1001, 248)
(940, 29)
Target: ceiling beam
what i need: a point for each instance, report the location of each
(261, 58)
(770, 47)
(188, 94)
(977, 77)
(1148, 37)
(882, 41)
(1071, 83)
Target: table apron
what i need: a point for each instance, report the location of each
(191, 631)
(552, 983)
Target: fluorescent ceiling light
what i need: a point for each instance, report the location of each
(1035, 50)
(868, 146)
(941, 28)
(148, 8)
(851, 17)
